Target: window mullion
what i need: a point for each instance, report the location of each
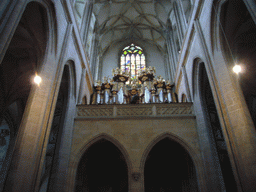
(132, 56)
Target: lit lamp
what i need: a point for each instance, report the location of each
(237, 69)
(37, 79)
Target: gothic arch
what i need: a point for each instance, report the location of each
(234, 33)
(28, 46)
(195, 76)
(189, 149)
(37, 30)
(59, 134)
(233, 42)
(176, 139)
(217, 30)
(108, 138)
(197, 62)
(72, 78)
(87, 145)
(56, 132)
(218, 138)
(215, 26)
(51, 27)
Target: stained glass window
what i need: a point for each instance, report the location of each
(132, 60)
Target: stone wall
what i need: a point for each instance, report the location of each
(134, 130)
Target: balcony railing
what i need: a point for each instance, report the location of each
(133, 111)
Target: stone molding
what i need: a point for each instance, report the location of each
(141, 110)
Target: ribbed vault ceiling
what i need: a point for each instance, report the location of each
(120, 20)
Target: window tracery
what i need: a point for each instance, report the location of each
(132, 61)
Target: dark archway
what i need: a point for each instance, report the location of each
(102, 168)
(52, 153)
(22, 60)
(239, 43)
(215, 129)
(169, 167)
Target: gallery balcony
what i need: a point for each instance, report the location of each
(152, 110)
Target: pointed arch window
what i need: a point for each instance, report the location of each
(132, 60)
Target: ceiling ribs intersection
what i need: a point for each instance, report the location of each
(120, 20)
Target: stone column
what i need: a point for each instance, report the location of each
(86, 21)
(179, 24)
(59, 180)
(171, 56)
(96, 72)
(236, 123)
(82, 86)
(36, 122)
(181, 17)
(174, 51)
(93, 58)
(167, 66)
(184, 73)
(99, 67)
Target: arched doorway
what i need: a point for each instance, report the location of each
(22, 60)
(215, 130)
(169, 167)
(102, 168)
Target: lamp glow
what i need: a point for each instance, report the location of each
(237, 69)
(37, 79)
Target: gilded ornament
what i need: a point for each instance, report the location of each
(133, 92)
(122, 79)
(107, 86)
(98, 88)
(160, 85)
(144, 78)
